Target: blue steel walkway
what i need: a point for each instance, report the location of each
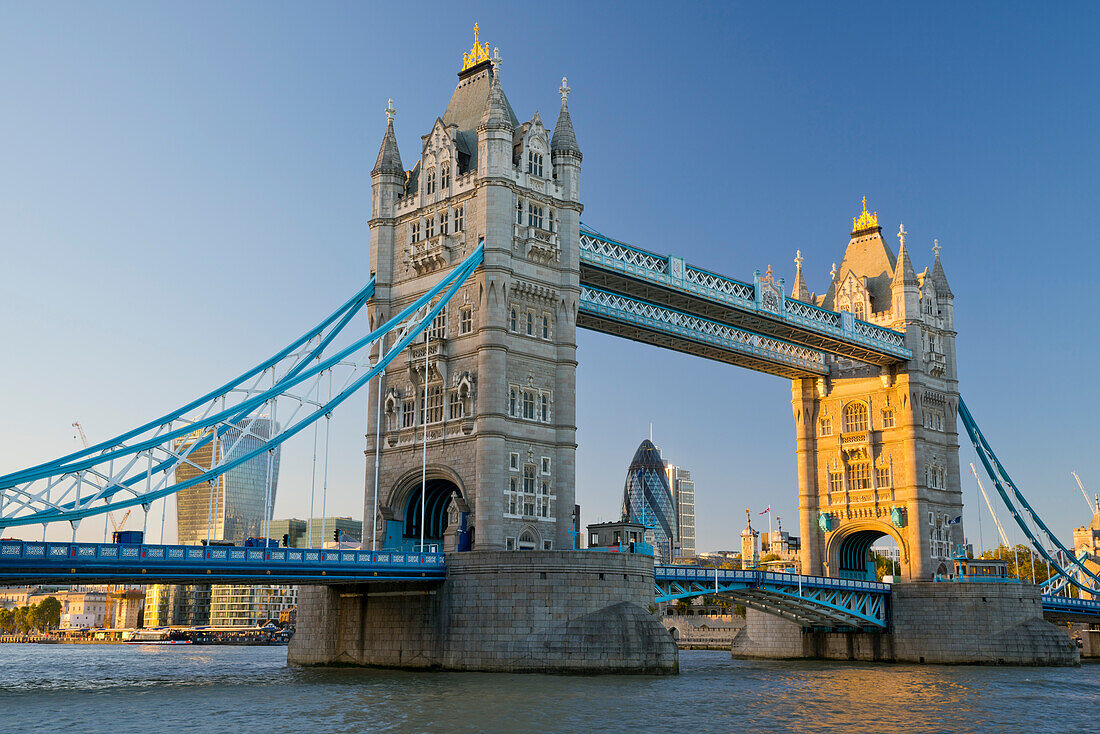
(26, 562)
(1065, 606)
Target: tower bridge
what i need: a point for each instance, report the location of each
(480, 274)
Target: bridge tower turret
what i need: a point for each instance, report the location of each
(498, 392)
(878, 447)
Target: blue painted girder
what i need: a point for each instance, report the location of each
(810, 601)
(650, 323)
(760, 307)
(28, 562)
(1068, 605)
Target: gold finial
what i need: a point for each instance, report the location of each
(936, 247)
(866, 220)
(390, 111)
(798, 259)
(564, 90)
(477, 54)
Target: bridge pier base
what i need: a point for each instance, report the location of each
(943, 623)
(544, 611)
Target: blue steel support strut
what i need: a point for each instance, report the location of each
(70, 512)
(989, 461)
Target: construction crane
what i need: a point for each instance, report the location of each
(1092, 505)
(116, 525)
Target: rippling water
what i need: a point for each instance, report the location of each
(124, 688)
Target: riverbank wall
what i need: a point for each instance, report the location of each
(943, 623)
(513, 611)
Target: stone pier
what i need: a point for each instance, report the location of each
(545, 611)
(946, 623)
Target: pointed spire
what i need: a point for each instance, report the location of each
(939, 278)
(496, 109)
(800, 291)
(564, 140)
(904, 274)
(389, 157)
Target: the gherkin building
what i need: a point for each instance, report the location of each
(647, 500)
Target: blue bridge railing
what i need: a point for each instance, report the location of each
(1069, 605)
(32, 561)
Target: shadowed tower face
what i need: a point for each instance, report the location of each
(494, 378)
(878, 447)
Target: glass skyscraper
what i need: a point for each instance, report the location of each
(233, 509)
(647, 501)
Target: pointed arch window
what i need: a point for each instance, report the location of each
(429, 181)
(512, 320)
(855, 417)
(443, 216)
(445, 176)
(528, 322)
(534, 163)
(858, 311)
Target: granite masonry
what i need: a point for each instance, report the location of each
(556, 611)
(946, 623)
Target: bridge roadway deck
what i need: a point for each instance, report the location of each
(670, 283)
(27, 562)
(810, 601)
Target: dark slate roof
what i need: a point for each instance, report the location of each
(467, 105)
(940, 279)
(389, 158)
(564, 139)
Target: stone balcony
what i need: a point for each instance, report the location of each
(437, 349)
(936, 362)
(538, 244)
(435, 252)
(856, 444)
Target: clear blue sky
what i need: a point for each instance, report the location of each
(185, 187)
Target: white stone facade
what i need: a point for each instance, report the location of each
(501, 360)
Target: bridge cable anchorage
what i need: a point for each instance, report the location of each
(138, 466)
(1073, 570)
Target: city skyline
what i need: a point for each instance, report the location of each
(293, 223)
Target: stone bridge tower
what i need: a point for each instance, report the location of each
(501, 358)
(878, 449)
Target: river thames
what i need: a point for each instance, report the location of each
(121, 688)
